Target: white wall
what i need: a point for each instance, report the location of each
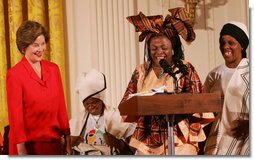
(100, 37)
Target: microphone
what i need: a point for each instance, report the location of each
(167, 68)
(182, 68)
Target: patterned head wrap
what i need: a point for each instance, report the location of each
(175, 24)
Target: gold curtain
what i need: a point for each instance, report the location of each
(12, 14)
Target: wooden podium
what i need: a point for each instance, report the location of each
(170, 104)
(163, 104)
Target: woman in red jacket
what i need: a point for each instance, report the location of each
(36, 105)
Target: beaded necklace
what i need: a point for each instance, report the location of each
(97, 126)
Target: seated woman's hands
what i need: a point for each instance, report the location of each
(120, 146)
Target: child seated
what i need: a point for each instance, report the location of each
(98, 129)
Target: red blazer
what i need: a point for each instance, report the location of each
(36, 108)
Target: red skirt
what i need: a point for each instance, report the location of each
(53, 147)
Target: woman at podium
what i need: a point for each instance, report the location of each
(164, 65)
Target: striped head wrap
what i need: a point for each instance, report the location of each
(176, 23)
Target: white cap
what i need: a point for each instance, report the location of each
(91, 84)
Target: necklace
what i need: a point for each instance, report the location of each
(96, 119)
(160, 70)
(161, 73)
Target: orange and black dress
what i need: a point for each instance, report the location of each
(151, 131)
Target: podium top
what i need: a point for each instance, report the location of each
(163, 104)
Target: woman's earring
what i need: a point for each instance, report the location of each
(172, 52)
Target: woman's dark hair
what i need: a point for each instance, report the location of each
(28, 32)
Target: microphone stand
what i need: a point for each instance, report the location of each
(170, 122)
(170, 117)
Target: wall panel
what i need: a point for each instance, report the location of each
(105, 40)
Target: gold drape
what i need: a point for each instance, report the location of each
(12, 14)
(15, 18)
(3, 69)
(57, 34)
